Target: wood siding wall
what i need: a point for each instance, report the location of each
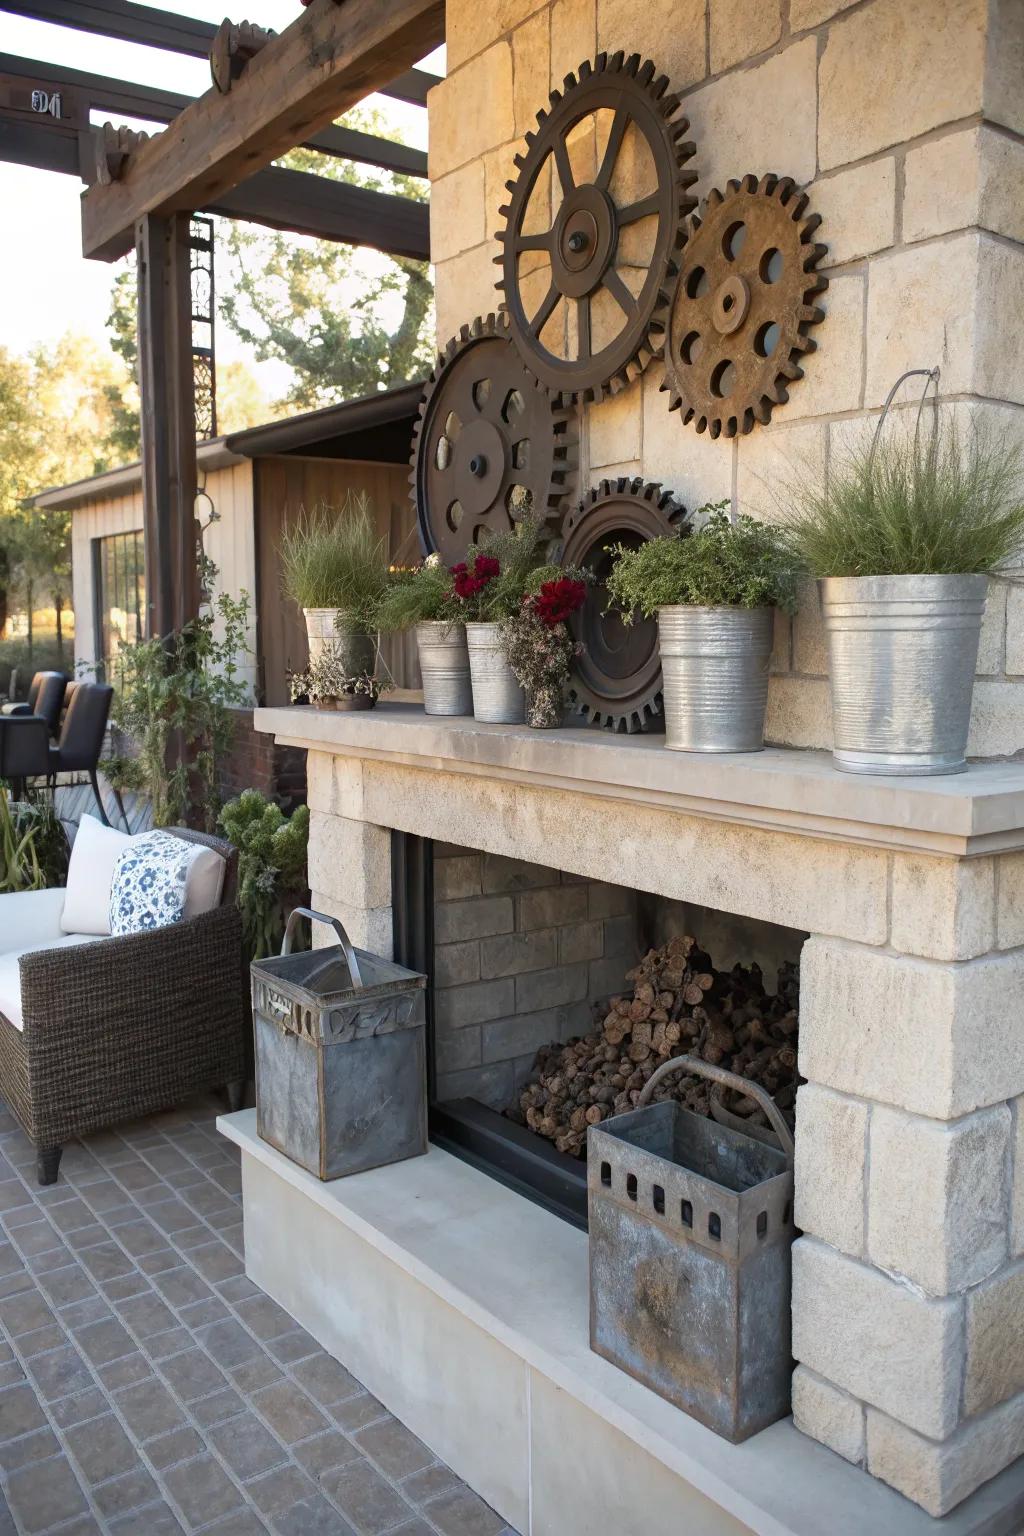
(284, 487)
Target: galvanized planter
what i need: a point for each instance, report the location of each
(691, 1229)
(497, 695)
(340, 1059)
(327, 629)
(444, 668)
(714, 664)
(902, 656)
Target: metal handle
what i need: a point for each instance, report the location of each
(343, 940)
(931, 378)
(728, 1080)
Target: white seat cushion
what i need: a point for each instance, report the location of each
(30, 917)
(91, 875)
(10, 975)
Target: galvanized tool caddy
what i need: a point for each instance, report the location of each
(691, 1227)
(341, 1083)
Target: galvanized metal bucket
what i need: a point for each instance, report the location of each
(691, 1230)
(341, 1080)
(497, 695)
(714, 664)
(902, 653)
(327, 629)
(444, 667)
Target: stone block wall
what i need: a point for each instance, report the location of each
(921, 192)
(521, 954)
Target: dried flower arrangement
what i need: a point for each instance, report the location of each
(540, 646)
(327, 684)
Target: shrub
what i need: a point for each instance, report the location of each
(416, 597)
(271, 867)
(723, 564)
(921, 503)
(336, 560)
(497, 574)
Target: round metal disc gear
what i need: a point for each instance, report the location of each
(616, 682)
(743, 305)
(580, 326)
(489, 445)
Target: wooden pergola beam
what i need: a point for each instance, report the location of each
(155, 28)
(330, 57)
(101, 93)
(329, 210)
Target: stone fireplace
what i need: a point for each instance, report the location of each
(909, 1173)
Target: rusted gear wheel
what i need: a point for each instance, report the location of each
(743, 305)
(594, 225)
(489, 445)
(617, 680)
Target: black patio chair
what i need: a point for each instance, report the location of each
(80, 744)
(24, 750)
(45, 699)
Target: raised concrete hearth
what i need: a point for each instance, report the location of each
(910, 1155)
(463, 1307)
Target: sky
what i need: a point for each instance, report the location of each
(50, 287)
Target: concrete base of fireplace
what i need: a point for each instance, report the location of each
(463, 1307)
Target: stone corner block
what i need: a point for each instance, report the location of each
(937, 1202)
(831, 1146)
(351, 859)
(828, 1415)
(943, 909)
(1017, 1180)
(939, 1475)
(876, 1338)
(1010, 904)
(995, 1341)
(936, 1039)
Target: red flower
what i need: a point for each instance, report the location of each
(469, 583)
(557, 600)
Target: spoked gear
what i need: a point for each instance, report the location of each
(616, 682)
(743, 305)
(489, 445)
(581, 327)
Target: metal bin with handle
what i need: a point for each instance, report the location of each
(341, 1082)
(691, 1230)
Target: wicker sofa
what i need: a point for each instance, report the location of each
(114, 1028)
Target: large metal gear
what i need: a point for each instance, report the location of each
(489, 445)
(594, 225)
(616, 682)
(743, 305)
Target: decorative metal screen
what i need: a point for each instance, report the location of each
(204, 366)
(119, 588)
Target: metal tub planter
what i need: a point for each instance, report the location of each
(329, 630)
(444, 668)
(902, 656)
(340, 1056)
(691, 1230)
(714, 664)
(497, 696)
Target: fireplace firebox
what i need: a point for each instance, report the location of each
(544, 1016)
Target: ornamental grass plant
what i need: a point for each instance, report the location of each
(921, 503)
(722, 564)
(335, 560)
(423, 595)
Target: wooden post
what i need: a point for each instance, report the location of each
(168, 421)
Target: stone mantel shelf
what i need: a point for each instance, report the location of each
(784, 789)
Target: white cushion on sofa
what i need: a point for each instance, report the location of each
(91, 874)
(10, 974)
(30, 917)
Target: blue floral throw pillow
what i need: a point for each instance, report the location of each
(148, 888)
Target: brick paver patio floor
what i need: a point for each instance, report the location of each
(147, 1387)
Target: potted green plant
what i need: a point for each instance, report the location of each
(540, 646)
(335, 567)
(328, 684)
(490, 585)
(424, 599)
(713, 590)
(903, 535)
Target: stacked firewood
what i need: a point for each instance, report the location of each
(679, 1005)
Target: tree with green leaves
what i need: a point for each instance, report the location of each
(347, 322)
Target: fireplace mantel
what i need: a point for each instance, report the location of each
(780, 789)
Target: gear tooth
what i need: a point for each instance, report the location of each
(767, 184)
(568, 83)
(519, 161)
(530, 137)
(617, 61)
(732, 186)
(554, 97)
(785, 189)
(791, 370)
(542, 116)
(714, 199)
(748, 183)
(586, 69)
(601, 62)
(645, 75)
